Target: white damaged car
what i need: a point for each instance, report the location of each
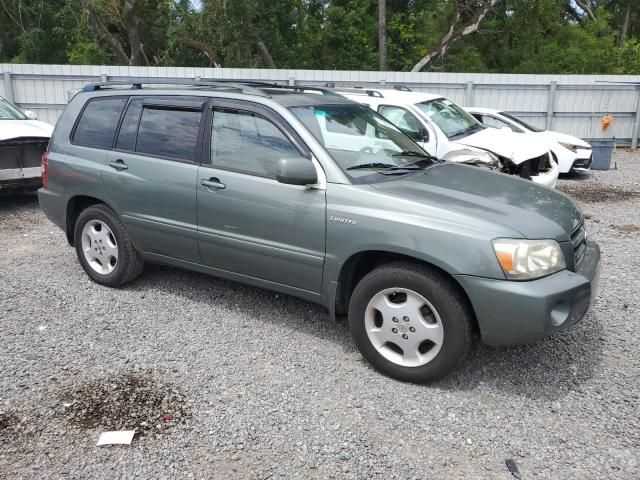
(445, 130)
(23, 140)
(571, 153)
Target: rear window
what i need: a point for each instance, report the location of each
(169, 133)
(98, 123)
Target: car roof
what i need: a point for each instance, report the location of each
(399, 96)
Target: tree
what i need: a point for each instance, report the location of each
(458, 28)
(382, 33)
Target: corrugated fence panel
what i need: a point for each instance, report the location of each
(578, 101)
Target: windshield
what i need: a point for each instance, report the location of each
(10, 112)
(522, 123)
(365, 145)
(449, 117)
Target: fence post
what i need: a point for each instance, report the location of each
(551, 104)
(468, 95)
(8, 87)
(636, 123)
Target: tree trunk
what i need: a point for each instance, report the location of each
(266, 57)
(625, 25)
(584, 6)
(454, 34)
(382, 34)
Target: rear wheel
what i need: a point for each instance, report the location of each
(104, 248)
(410, 322)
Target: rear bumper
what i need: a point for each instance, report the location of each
(13, 178)
(54, 207)
(511, 312)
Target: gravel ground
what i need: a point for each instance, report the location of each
(228, 381)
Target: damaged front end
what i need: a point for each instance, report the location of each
(480, 158)
(529, 168)
(20, 162)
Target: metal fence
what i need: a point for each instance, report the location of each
(569, 103)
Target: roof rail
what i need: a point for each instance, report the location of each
(137, 83)
(360, 90)
(296, 88)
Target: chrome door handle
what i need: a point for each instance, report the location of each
(118, 165)
(213, 183)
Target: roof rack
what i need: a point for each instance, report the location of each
(252, 87)
(361, 90)
(296, 88)
(137, 83)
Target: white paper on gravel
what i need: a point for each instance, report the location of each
(122, 437)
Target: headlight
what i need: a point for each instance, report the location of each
(568, 146)
(528, 259)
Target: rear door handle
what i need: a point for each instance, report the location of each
(118, 164)
(213, 182)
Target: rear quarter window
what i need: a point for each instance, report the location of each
(98, 122)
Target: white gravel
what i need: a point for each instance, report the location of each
(266, 386)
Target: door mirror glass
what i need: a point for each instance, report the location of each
(296, 171)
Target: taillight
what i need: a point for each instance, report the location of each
(45, 158)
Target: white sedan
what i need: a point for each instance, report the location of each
(571, 153)
(23, 140)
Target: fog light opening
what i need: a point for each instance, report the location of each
(560, 313)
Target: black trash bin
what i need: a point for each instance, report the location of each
(602, 153)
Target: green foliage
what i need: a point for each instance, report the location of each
(520, 36)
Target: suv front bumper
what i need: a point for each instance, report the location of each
(510, 312)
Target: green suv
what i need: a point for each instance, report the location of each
(299, 190)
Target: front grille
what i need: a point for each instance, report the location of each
(579, 244)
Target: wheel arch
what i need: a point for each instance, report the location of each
(361, 263)
(75, 206)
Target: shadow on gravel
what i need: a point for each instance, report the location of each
(132, 400)
(265, 305)
(11, 202)
(545, 369)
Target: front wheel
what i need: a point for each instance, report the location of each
(104, 248)
(410, 322)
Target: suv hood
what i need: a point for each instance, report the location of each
(533, 210)
(515, 146)
(24, 128)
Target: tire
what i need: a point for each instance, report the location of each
(104, 248)
(410, 322)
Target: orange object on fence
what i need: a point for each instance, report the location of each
(606, 121)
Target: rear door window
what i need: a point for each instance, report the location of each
(169, 132)
(98, 122)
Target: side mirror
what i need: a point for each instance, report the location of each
(506, 129)
(296, 171)
(31, 115)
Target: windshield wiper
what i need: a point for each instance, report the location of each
(386, 166)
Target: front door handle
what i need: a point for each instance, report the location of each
(213, 182)
(118, 164)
